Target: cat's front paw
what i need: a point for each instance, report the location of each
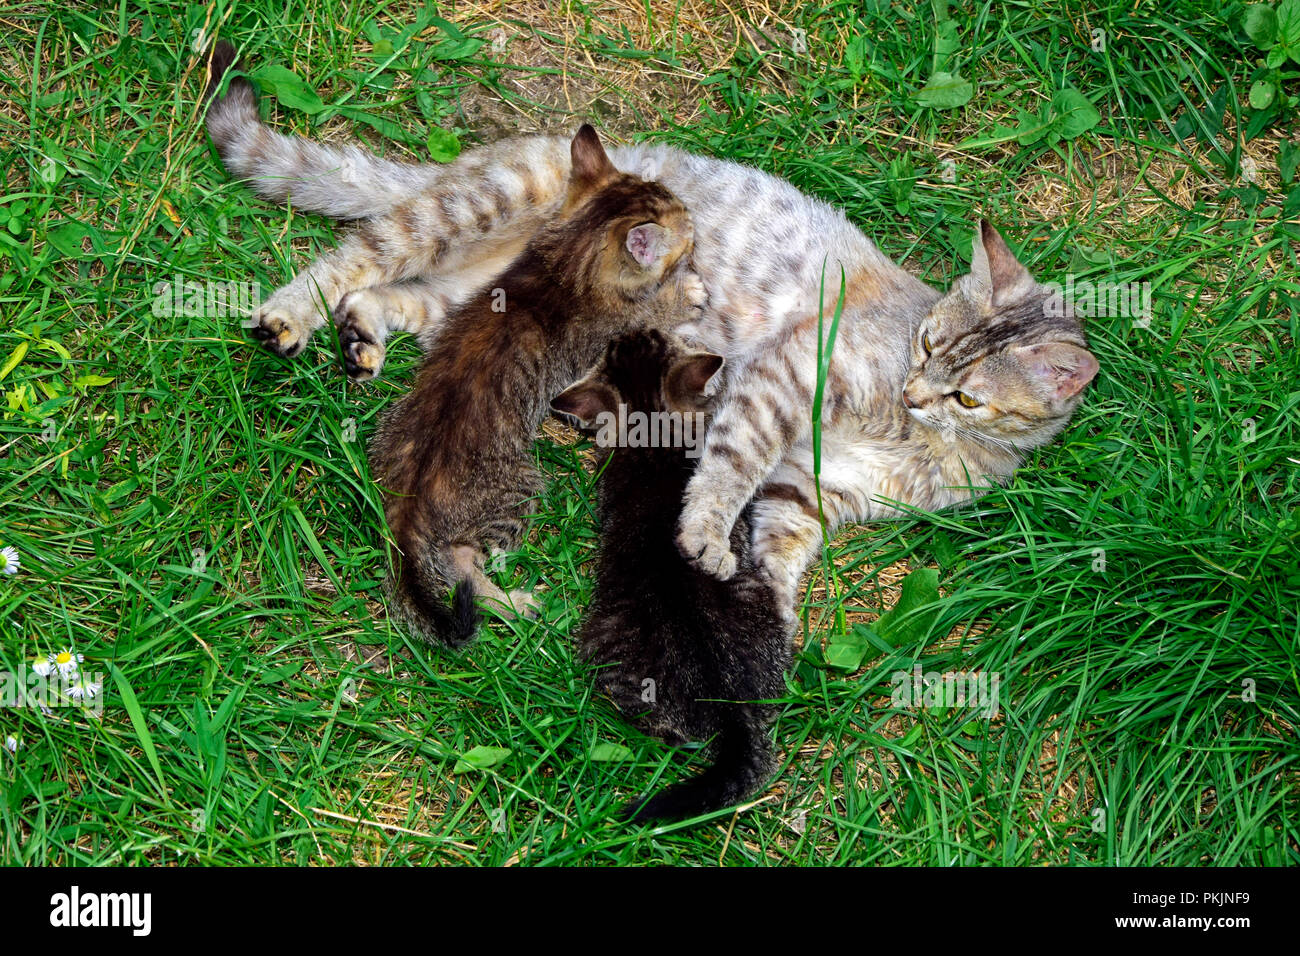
(694, 296)
(284, 324)
(708, 547)
(361, 335)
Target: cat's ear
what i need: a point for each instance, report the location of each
(996, 275)
(1064, 367)
(648, 243)
(689, 376)
(585, 399)
(591, 165)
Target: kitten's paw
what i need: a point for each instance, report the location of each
(694, 296)
(526, 604)
(693, 290)
(708, 548)
(283, 324)
(361, 336)
(519, 603)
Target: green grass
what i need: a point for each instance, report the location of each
(240, 722)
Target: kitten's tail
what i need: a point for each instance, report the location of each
(743, 763)
(340, 182)
(426, 601)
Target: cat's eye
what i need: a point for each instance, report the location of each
(926, 343)
(966, 400)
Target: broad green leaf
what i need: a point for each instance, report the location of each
(912, 618)
(1262, 94)
(89, 381)
(480, 758)
(845, 655)
(382, 125)
(68, 238)
(1032, 127)
(1291, 207)
(1075, 115)
(605, 750)
(1288, 27)
(855, 56)
(449, 49)
(287, 87)
(444, 146)
(14, 358)
(945, 91)
(1260, 24)
(1288, 159)
(945, 43)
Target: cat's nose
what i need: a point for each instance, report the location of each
(907, 400)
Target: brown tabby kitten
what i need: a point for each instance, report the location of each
(682, 654)
(454, 455)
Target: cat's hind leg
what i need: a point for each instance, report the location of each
(365, 317)
(464, 231)
(468, 562)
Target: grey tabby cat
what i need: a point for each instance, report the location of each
(932, 398)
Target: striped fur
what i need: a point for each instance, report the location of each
(454, 455)
(761, 249)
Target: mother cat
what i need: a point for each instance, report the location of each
(930, 397)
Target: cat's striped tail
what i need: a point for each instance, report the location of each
(342, 182)
(742, 764)
(427, 608)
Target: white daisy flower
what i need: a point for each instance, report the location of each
(43, 667)
(66, 661)
(11, 744)
(9, 563)
(87, 689)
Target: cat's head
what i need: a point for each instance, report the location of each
(627, 233)
(645, 371)
(998, 358)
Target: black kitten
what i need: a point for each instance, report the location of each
(682, 654)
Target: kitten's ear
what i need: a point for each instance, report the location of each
(585, 399)
(996, 274)
(1066, 368)
(689, 375)
(590, 164)
(648, 243)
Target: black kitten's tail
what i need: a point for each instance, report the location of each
(429, 612)
(743, 763)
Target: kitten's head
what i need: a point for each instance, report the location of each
(626, 233)
(998, 358)
(647, 371)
